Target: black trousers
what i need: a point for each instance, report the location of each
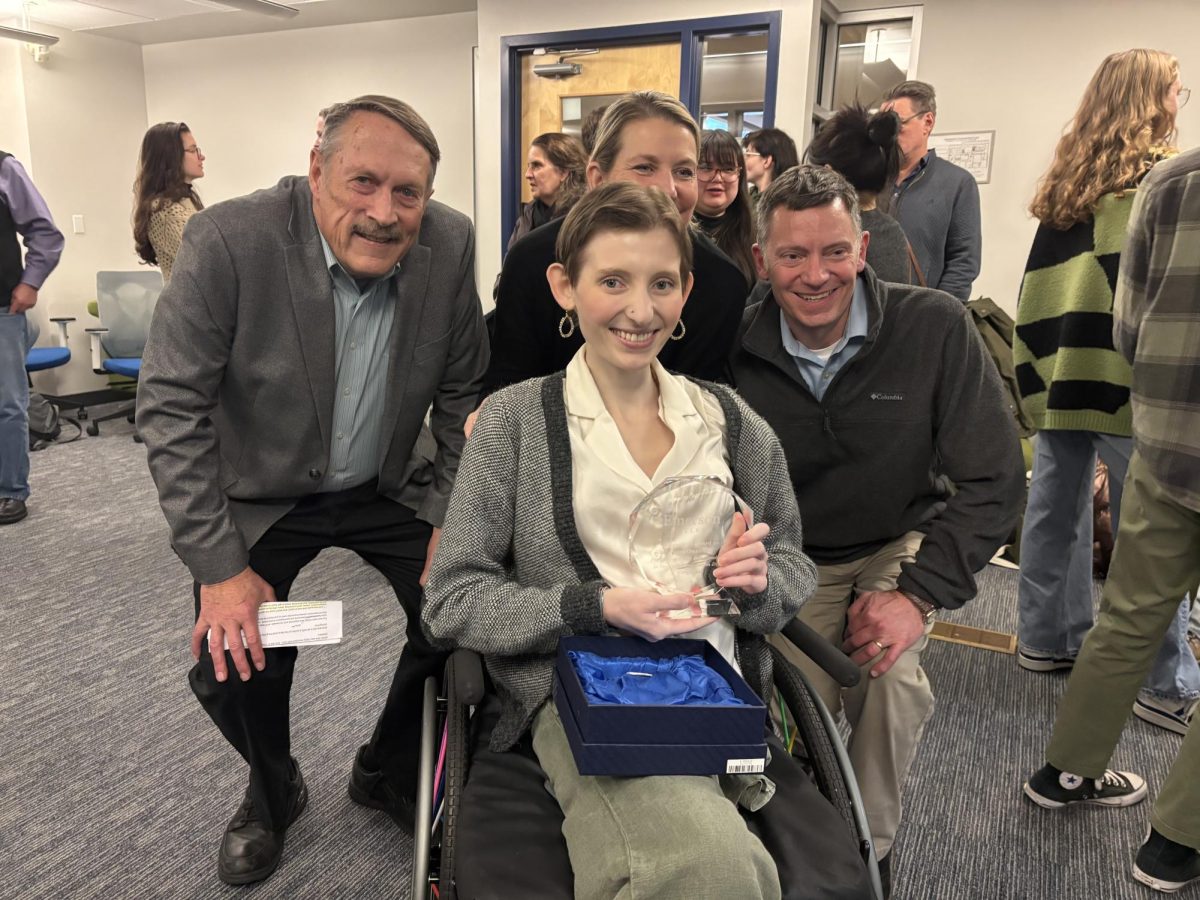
(254, 715)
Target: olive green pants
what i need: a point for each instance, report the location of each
(669, 837)
(1156, 562)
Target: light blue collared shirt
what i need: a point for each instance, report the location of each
(361, 350)
(818, 373)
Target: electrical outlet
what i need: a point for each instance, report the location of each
(77, 224)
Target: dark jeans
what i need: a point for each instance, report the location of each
(253, 715)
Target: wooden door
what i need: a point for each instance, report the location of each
(614, 70)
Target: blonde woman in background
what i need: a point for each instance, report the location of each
(165, 199)
(1076, 386)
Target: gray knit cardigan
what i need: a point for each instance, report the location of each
(511, 575)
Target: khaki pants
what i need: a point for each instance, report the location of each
(1156, 562)
(886, 714)
(670, 837)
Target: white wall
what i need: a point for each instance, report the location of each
(251, 100)
(1021, 68)
(499, 18)
(84, 113)
(14, 130)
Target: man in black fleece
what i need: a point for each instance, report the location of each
(905, 461)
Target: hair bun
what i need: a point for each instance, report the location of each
(883, 127)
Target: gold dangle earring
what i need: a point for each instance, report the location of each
(681, 328)
(566, 325)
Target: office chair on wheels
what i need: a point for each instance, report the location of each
(125, 302)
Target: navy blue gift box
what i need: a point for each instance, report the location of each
(619, 739)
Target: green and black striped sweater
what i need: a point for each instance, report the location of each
(1069, 375)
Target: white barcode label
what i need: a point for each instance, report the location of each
(744, 766)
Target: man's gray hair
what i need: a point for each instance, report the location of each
(806, 187)
(919, 92)
(398, 111)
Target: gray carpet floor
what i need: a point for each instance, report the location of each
(114, 783)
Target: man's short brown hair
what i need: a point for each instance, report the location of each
(620, 206)
(919, 92)
(806, 187)
(398, 111)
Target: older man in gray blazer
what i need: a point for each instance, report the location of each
(307, 331)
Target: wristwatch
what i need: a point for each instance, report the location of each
(924, 607)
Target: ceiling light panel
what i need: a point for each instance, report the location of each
(74, 15)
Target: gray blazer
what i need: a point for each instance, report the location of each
(235, 399)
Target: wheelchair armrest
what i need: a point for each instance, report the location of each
(468, 676)
(833, 661)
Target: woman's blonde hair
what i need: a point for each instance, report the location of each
(1121, 123)
(633, 108)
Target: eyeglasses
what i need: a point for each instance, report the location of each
(908, 119)
(195, 150)
(750, 153)
(1182, 96)
(708, 173)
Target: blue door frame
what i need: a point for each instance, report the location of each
(689, 33)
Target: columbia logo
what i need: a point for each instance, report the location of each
(879, 396)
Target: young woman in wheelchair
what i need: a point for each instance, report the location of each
(534, 548)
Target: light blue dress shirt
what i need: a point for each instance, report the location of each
(816, 372)
(363, 328)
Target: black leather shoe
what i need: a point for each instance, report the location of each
(250, 851)
(370, 788)
(12, 510)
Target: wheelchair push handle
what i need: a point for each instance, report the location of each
(832, 661)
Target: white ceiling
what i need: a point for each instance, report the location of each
(162, 21)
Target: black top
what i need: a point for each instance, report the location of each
(11, 267)
(919, 408)
(707, 224)
(526, 341)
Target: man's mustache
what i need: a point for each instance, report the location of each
(378, 234)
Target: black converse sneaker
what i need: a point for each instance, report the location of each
(1053, 789)
(1165, 865)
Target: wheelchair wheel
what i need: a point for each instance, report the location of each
(830, 764)
(454, 778)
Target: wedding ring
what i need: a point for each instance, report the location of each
(880, 646)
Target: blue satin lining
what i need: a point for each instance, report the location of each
(641, 681)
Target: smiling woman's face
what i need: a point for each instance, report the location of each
(655, 153)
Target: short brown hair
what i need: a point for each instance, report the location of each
(806, 187)
(620, 206)
(397, 110)
(566, 154)
(919, 92)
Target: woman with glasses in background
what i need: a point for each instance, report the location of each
(555, 173)
(769, 153)
(723, 208)
(164, 198)
(1075, 385)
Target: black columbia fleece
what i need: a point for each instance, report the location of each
(913, 434)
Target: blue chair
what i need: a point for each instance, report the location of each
(125, 302)
(41, 358)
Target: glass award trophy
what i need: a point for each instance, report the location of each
(675, 534)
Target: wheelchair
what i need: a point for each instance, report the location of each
(526, 854)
